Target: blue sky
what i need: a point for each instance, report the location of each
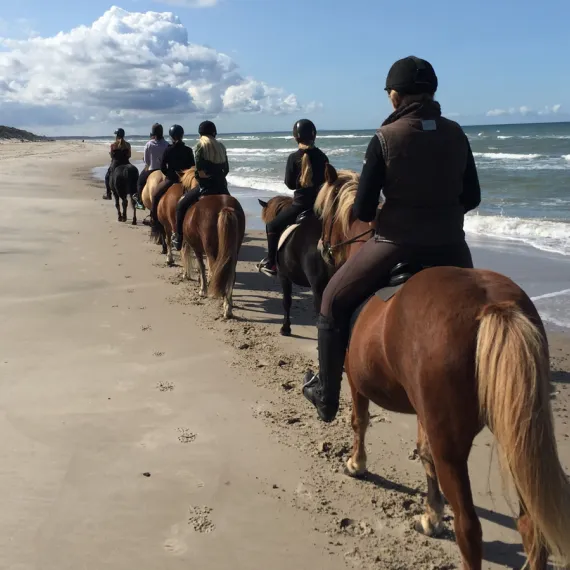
(497, 61)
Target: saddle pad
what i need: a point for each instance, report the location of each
(288, 231)
(386, 293)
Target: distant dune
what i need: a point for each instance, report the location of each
(11, 133)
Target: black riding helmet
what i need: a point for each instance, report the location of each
(412, 76)
(207, 129)
(120, 133)
(157, 131)
(304, 131)
(176, 133)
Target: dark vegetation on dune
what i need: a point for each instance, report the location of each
(19, 134)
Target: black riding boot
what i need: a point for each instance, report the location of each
(323, 389)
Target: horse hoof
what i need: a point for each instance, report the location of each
(134, 222)
(424, 526)
(353, 469)
(285, 331)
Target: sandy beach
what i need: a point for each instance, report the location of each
(141, 431)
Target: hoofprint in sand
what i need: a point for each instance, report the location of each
(364, 523)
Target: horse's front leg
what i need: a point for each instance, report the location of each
(287, 287)
(134, 205)
(119, 217)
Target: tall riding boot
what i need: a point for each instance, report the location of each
(323, 389)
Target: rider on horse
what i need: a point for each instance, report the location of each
(424, 165)
(176, 158)
(305, 174)
(211, 171)
(120, 153)
(153, 152)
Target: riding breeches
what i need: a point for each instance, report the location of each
(143, 177)
(368, 270)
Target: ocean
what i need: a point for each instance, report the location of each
(524, 214)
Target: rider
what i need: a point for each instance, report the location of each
(176, 158)
(153, 151)
(211, 171)
(120, 153)
(305, 174)
(424, 165)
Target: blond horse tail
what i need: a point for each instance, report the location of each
(306, 179)
(222, 272)
(513, 374)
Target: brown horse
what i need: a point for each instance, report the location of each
(166, 213)
(213, 227)
(461, 349)
(298, 261)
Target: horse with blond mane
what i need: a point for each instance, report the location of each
(461, 349)
(213, 228)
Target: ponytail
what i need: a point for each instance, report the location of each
(306, 178)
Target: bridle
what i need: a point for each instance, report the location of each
(326, 248)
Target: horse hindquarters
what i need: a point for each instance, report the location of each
(513, 372)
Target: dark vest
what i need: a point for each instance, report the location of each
(426, 157)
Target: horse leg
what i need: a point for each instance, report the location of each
(169, 256)
(133, 204)
(202, 273)
(536, 560)
(287, 287)
(163, 243)
(454, 479)
(125, 204)
(431, 522)
(228, 305)
(119, 217)
(356, 465)
(187, 262)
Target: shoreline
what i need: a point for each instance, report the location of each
(114, 368)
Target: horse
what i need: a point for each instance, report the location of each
(150, 188)
(123, 184)
(461, 349)
(213, 227)
(298, 260)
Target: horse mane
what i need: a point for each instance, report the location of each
(188, 178)
(337, 198)
(274, 206)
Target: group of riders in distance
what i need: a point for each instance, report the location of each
(400, 307)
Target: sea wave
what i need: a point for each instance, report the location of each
(506, 156)
(545, 235)
(566, 157)
(259, 183)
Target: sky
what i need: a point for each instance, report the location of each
(86, 68)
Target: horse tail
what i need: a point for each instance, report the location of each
(223, 269)
(513, 375)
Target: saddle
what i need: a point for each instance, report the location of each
(399, 275)
(288, 232)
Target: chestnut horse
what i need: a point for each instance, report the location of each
(214, 227)
(461, 349)
(166, 212)
(298, 261)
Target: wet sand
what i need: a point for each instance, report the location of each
(141, 431)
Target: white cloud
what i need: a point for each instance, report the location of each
(129, 66)
(190, 3)
(524, 111)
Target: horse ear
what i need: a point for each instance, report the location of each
(262, 203)
(331, 175)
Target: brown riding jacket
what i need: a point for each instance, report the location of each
(424, 165)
